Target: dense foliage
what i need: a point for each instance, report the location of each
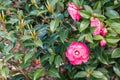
(35, 34)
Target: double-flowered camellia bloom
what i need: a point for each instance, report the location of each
(77, 53)
(74, 12)
(96, 23)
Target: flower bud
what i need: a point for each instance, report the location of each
(104, 31)
(37, 62)
(103, 43)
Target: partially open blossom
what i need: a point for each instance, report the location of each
(104, 31)
(103, 43)
(74, 12)
(96, 23)
(77, 53)
(37, 62)
(87, 40)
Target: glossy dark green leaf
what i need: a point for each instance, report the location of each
(81, 37)
(98, 37)
(38, 73)
(88, 8)
(29, 55)
(83, 25)
(112, 14)
(9, 56)
(53, 25)
(97, 74)
(112, 40)
(39, 43)
(53, 72)
(85, 14)
(116, 27)
(18, 77)
(58, 61)
(116, 70)
(63, 35)
(80, 74)
(51, 59)
(77, 2)
(116, 53)
(89, 37)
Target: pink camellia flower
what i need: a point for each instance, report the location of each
(77, 53)
(96, 23)
(104, 31)
(103, 43)
(74, 12)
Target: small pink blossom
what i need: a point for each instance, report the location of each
(96, 23)
(37, 62)
(77, 53)
(103, 43)
(104, 31)
(74, 12)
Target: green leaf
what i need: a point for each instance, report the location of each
(34, 12)
(89, 37)
(53, 2)
(81, 37)
(18, 77)
(116, 27)
(39, 43)
(29, 55)
(98, 5)
(112, 14)
(97, 74)
(89, 9)
(26, 37)
(53, 72)
(38, 73)
(52, 38)
(5, 72)
(101, 17)
(1, 65)
(53, 25)
(9, 56)
(58, 60)
(77, 2)
(18, 56)
(83, 25)
(81, 2)
(63, 35)
(117, 71)
(112, 40)
(51, 59)
(41, 12)
(13, 20)
(98, 37)
(85, 14)
(80, 74)
(44, 58)
(116, 53)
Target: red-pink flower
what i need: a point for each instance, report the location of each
(77, 53)
(96, 23)
(74, 12)
(37, 62)
(103, 43)
(104, 31)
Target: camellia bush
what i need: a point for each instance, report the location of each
(59, 39)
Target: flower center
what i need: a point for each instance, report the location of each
(77, 52)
